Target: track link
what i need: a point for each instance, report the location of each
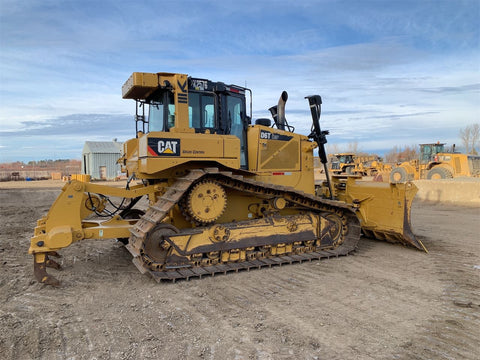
(212, 270)
(157, 213)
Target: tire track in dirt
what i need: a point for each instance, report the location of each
(454, 330)
(386, 301)
(345, 302)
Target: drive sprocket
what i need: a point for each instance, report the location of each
(206, 202)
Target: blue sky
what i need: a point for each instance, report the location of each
(389, 72)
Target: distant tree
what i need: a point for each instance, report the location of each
(333, 149)
(475, 137)
(397, 155)
(470, 136)
(392, 155)
(353, 147)
(465, 137)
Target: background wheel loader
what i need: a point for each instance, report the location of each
(436, 163)
(223, 194)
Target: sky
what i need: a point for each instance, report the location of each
(390, 73)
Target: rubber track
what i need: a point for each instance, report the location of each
(157, 212)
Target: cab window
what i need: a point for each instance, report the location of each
(161, 113)
(201, 111)
(235, 112)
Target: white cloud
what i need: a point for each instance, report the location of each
(391, 74)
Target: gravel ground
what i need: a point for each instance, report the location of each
(384, 302)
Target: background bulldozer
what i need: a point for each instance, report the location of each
(343, 163)
(435, 163)
(222, 194)
(353, 164)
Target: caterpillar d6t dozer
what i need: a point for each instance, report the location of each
(223, 194)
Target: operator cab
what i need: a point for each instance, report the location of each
(213, 108)
(428, 152)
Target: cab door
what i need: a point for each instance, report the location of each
(235, 113)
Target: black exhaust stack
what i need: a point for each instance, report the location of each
(278, 113)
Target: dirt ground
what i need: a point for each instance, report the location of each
(384, 302)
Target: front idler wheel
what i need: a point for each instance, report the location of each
(156, 248)
(332, 234)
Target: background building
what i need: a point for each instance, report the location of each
(99, 159)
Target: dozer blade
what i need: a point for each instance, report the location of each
(383, 210)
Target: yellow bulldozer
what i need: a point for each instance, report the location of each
(436, 163)
(222, 194)
(353, 164)
(343, 163)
